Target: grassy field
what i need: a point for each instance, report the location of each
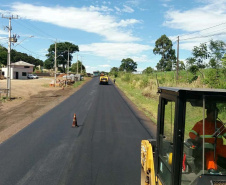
(142, 90)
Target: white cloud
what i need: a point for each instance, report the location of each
(3, 32)
(115, 51)
(125, 23)
(127, 9)
(102, 8)
(3, 40)
(140, 58)
(133, 2)
(90, 68)
(104, 66)
(201, 23)
(198, 18)
(88, 19)
(117, 9)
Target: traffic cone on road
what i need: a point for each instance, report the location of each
(74, 124)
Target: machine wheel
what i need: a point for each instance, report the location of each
(145, 179)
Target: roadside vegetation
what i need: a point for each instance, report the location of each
(206, 68)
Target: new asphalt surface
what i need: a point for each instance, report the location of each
(104, 149)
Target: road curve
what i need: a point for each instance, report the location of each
(104, 149)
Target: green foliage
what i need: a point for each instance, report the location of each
(128, 65)
(217, 49)
(213, 63)
(192, 79)
(3, 56)
(212, 78)
(181, 65)
(78, 83)
(163, 47)
(148, 70)
(62, 53)
(79, 64)
(48, 64)
(200, 53)
(114, 72)
(126, 77)
(144, 82)
(17, 56)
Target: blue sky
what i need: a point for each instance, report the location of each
(108, 31)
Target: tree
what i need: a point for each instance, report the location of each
(128, 65)
(224, 61)
(148, 70)
(114, 71)
(48, 64)
(74, 67)
(181, 65)
(163, 47)
(217, 49)
(3, 56)
(62, 53)
(200, 54)
(17, 56)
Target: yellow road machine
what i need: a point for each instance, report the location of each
(190, 146)
(103, 79)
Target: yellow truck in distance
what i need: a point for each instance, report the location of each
(103, 79)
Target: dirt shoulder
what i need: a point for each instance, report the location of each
(30, 100)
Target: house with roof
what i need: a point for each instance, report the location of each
(19, 70)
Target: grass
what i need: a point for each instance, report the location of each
(45, 85)
(148, 105)
(142, 90)
(78, 83)
(3, 99)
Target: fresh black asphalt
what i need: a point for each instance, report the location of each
(104, 149)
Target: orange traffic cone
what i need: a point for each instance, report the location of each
(74, 124)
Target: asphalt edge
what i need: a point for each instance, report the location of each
(148, 124)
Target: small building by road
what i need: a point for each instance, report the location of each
(19, 70)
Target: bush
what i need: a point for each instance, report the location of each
(126, 77)
(144, 82)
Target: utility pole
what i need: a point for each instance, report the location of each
(67, 65)
(11, 39)
(55, 65)
(177, 57)
(81, 64)
(77, 63)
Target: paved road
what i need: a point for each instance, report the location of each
(104, 149)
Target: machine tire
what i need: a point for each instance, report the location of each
(142, 177)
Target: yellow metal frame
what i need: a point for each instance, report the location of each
(147, 163)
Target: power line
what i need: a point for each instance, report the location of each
(223, 33)
(37, 28)
(204, 29)
(31, 51)
(32, 28)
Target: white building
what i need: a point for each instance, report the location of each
(19, 70)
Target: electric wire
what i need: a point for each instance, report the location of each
(31, 51)
(203, 29)
(223, 33)
(35, 27)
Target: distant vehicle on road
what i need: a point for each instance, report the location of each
(96, 73)
(32, 76)
(103, 79)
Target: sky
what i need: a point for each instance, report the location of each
(107, 31)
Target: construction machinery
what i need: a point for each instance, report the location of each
(103, 78)
(173, 158)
